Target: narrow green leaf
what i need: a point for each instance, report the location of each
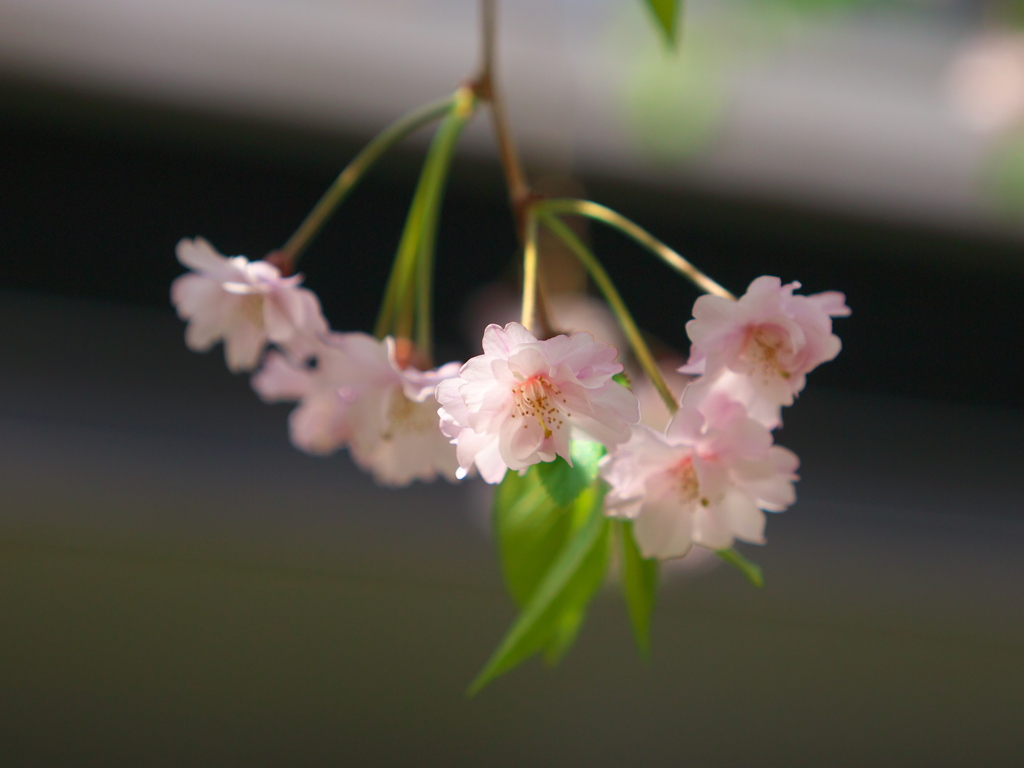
(623, 379)
(554, 612)
(408, 288)
(666, 16)
(572, 608)
(566, 628)
(639, 585)
(530, 532)
(563, 482)
(752, 571)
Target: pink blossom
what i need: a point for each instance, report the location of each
(760, 348)
(704, 481)
(395, 429)
(357, 396)
(521, 401)
(245, 303)
(346, 365)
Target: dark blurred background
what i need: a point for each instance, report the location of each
(181, 587)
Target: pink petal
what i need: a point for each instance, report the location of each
(319, 428)
(278, 380)
(199, 255)
(500, 341)
(243, 345)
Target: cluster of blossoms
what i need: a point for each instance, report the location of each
(689, 465)
(706, 479)
(709, 477)
(353, 390)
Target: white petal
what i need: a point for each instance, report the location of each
(200, 256)
(194, 294)
(711, 527)
(664, 530)
(500, 341)
(243, 345)
(278, 380)
(743, 517)
(318, 427)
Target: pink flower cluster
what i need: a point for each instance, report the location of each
(707, 479)
(350, 388)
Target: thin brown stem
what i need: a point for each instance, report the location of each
(489, 25)
(486, 89)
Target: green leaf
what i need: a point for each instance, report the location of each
(666, 16)
(565, 574)
(407, 295)
(752, 571)
(639, 585)
(563, 482)
(567, 627)
(530, 531)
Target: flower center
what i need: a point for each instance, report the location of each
(405, 416)
(252, 309)
(761, 352)
(537, 398)
(686, 482)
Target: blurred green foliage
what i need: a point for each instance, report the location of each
(639, 584)
(1003, 176)
(676, 98)
(666, 17)
(554, 557)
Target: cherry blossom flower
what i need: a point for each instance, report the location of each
(521, 401)
(705, 481)
(357, 396)
(245, 303)
(395, 428)
(346, 365)
(760, 348)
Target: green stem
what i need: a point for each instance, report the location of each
(447, 137)
(425, 284)
(640, 235)
(354, 172)
(618, 306)
(530, 270)
(395, 294)
(414, 261)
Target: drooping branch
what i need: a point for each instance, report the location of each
(487, 90)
